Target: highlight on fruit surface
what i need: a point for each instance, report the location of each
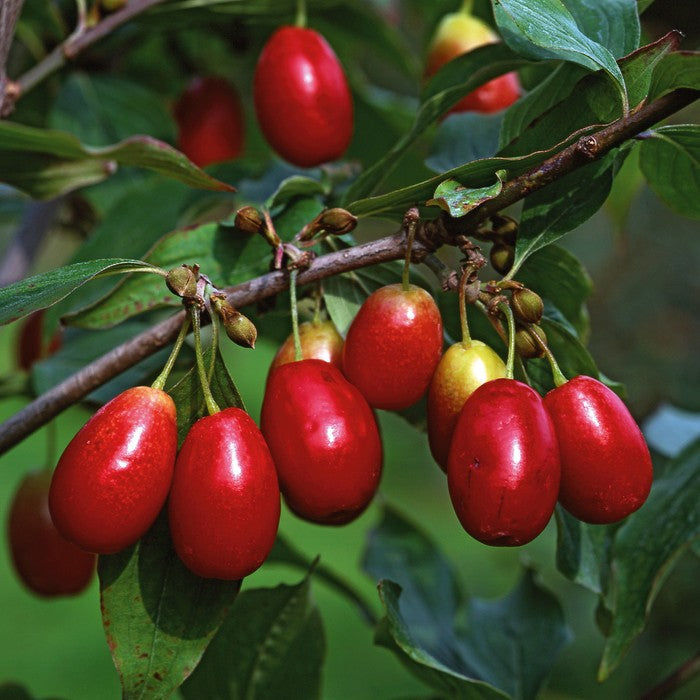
(320, 340)
(324, 440)
(113, 477)
(606, 468)
(503, 469)
(47, 563)
(393, 345)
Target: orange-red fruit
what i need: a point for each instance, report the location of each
(606, 469)
(463, 368)
(324, 439)
(503, 470)
(210, 121)
(459, 33)
(46, 563)
(320, 340)
(224, 506)
(302, 98)
(393, 346)
(113, 478)
(30, 342)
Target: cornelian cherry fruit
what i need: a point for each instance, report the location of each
(48, 564)
(224, 505)
(606, 469)
(393, 346)
(302, 98)
(31, 346)
(320, 340)
(458, 33)
(503, 469)
(324, 440)
(210, 121)
(464, 367)
(113, 477)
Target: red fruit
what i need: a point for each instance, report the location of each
(302, 99)
(393, 346)
(47, 564)
(324, 439)
(463, 368)
(224, 505)
(113, 478)
(606, 469)
(30, 342)
(458, 33)
(320, 340)
(211, 125)
(503, 469)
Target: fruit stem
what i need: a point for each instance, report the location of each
(300, 20)
(467, 7)
(214, 346)
(508, 313)
(212, 406)
(410, 235)
(466, 336)
(159, 383)
(295, 313)
(557, 374)
(318, 296)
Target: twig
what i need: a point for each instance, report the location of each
(682, 675)
(9, 13)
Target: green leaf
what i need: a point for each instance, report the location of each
(555, 210)
(548, 31)
(42, 290)
(158, 616)
(680, 69)
(613, 24)
(271, 645)
(46, 163)
(670, 161)
(646, 547)
(295, 186)
(458, 200)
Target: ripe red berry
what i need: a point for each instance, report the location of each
(503, 469)
(393, 346)
(30, 341)
(463, 368)
(302, 99)
(606, 469)
(210, 121)
(324, 439)
(113, 478)
(46, 563)
(224, 505)
(320, 340)
(458, 33)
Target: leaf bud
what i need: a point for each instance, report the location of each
(502, 257)
(505, 229)
(239, 328)
(248, 219)
(182, 281)
(334, 222)
(526, 345)
(527, 306)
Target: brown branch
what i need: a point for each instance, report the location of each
(434, 233)
(9, 14)
(682, 675)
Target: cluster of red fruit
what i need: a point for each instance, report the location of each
(302, 99)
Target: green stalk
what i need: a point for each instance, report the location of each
(508, 313)
(295, 314)
(214, 345)
(410, 235)
(557, 374)
(159, 383)
(300, 20)
(212, 406)
(466, 336)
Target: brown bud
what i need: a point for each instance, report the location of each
(505, 229)
(334, 222)
(248, 219)
(527, 306)
(526, 345)
(182, 281)
(239, 328)
(502, 257)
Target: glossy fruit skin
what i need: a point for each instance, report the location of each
(30, 341)
(210, 121)
(320, 340)
(224, 505)
(47, 564)
(503, 470)
(459, 33)
(393, 346)
(463, 368)
(302, 98)
(113, 477)
(324, 440)
(606, 468)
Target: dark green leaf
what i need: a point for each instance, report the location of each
(293, 187)
(614, 24)
(158, 616)
(548, 30)
(670, 161)
(42, 290)
(271, 645)
(45, 163)
(458, 200)
(645, 548)
(680, 69)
